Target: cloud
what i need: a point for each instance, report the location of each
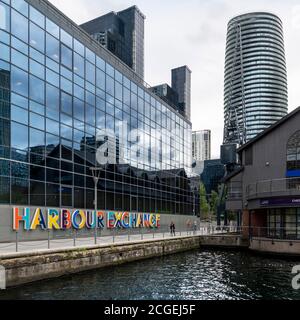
(193, 32)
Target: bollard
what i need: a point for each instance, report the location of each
(74, 238)
(48, 239)
(96, 235)
(17, 244)
(128, 235)
(114, 235)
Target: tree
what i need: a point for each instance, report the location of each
(204, 206)
(214, 202)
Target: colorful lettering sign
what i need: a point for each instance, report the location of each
(54, 219)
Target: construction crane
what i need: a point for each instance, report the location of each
(235, 129)
(235, 117)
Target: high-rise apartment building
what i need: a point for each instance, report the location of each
(201, 145)
(122, 33)
(255, 94)
(181, 83)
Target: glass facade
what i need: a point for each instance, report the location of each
(62, 106)
(255, 74)
(293, 154)
(284, 223)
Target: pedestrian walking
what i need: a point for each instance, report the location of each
(195, 227)
(172, 228)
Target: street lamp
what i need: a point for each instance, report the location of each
(96, 171)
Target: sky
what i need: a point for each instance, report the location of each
(193, 33)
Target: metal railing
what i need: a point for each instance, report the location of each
(79, 239)
(235, 190)
(287, 185)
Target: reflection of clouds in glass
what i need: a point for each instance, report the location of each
(2, 17)
(296, 17)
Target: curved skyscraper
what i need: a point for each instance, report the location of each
(255, 93)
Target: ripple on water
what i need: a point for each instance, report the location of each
(196, 275)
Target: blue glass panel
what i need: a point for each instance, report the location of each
(37, 141)
(66, 132)
(78, 65)
(19, 115)
(19, 26)
(78, 47)
(37, 107)
(66, 38)
(37, 37)
(4, 17)
(110, 86)
(37, 69)
(90, 72)
(66, 103)
(52, 126)
(52, 97)
(66, 84)
(52, 77)
(37, 121)
(52, 47)
(19, 136)
(19, 59)
(37, 89)
(21, 6)
(52, 28)
(100, 79)
(4, 49)
(100, 63)
(19, 81)
(36, 55)
(78, 109)
(110, 70)
(37, 17)
(90, 55)
(66, 57)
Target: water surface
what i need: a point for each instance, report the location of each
(205, 275)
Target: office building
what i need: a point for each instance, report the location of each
(255, 94)
(212, 175)
(181, 83)
(68, 104)
(201, 146)
(265, 189)
(122, 33)
(165, 92)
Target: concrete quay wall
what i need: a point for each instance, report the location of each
(25, 268)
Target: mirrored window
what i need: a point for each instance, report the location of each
(19, 26)
(4, 17)
(19, 81)
(19, 136)
(37, 17)
(37, 37)
(66, 57)
(21, 6)
(52, 28)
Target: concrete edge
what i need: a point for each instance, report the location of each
(84, 248)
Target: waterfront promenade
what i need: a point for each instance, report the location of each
(81, 242)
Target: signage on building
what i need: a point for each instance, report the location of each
(280, 202)
(65, 219)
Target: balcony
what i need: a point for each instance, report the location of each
(273, 188)
(234, 196)
(234, 191)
